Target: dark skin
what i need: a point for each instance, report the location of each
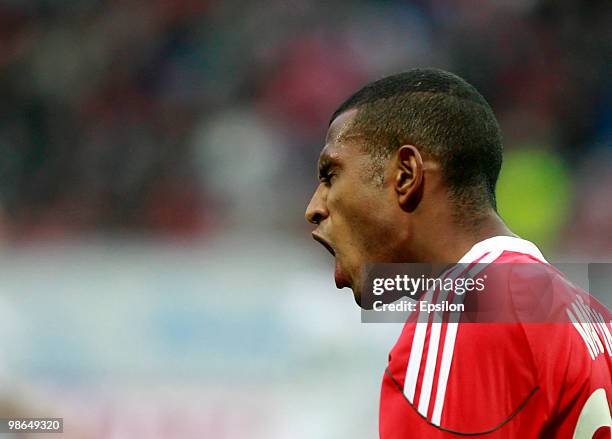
(406, 218)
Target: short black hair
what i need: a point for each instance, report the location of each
(443, 115)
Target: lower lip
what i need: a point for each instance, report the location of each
(339, 277)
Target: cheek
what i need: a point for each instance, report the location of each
(370, 225)
(361, 218)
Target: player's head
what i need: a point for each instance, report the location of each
(402, 155)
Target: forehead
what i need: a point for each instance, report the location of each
(340, 125)
(340, 143)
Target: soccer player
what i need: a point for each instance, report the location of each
(408, 174)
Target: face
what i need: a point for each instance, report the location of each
(355, 215)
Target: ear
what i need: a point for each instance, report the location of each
(409, 177)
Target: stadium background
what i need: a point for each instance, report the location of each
(157, 278)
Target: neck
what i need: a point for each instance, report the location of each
(447, 243)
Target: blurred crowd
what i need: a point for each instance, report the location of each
(185, 118)
(201, 121)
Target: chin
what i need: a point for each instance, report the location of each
(357, 297)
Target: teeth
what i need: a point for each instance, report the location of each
(326, 245)
(329, 248)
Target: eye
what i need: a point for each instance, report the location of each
(327, 178)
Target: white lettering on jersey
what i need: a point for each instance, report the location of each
(591, 326)
(594, 415)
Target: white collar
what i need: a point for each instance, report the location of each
(498, 244)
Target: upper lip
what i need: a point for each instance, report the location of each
(324, 243)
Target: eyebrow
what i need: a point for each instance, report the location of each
(326, 164)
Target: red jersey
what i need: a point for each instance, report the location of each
(538, 378)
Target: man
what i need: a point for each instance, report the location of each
(408, 174)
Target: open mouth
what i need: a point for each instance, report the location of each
(325, 244)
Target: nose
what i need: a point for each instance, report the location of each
(317, 209)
